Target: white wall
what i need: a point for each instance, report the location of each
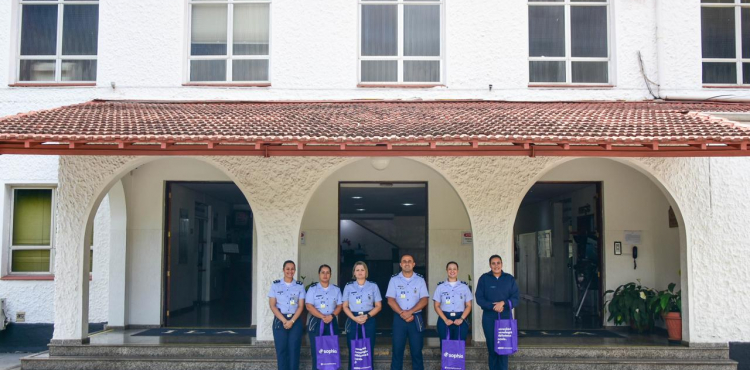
(35, 297)
(142, 48)
(447, 218)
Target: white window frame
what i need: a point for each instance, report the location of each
(229, 57)
(738, 60)
(49, 247)
(568, 59)
(399, 57)
(58, 57)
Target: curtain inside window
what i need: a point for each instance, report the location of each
(32, 217)
(80, 29)
(30, 261)
(251, 29)
(209, 29)
(379, 30)
(422, 30)
(588, 31)
(546, 31)
(39, 30)
(717, 31)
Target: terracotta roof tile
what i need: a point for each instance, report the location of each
(381, 121)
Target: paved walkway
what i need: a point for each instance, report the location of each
(10, 361)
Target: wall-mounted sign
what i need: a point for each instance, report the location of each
(466, 238)
(302, 235)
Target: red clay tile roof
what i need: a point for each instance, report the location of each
(394, 122)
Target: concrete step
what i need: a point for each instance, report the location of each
(473, 352)
(44, 362)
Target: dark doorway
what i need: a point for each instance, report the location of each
(208, 256)
(558, 256)
(378, 223)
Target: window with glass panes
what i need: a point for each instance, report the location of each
(725, 40)
(401, 41)
(58, 41)
(229, 41)
(569, 42)
(31, 230)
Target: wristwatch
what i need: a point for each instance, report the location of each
(368, 315)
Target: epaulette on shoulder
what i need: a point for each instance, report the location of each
(418, 274)
(350, 283)
(441, 282)
(394, 275)
(464, 283)
(311, 285)
(335, 285)
(300, 283)
(277, 281)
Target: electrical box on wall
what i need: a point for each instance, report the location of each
(20, 316)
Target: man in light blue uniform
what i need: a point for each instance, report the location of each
(287, 299)
(453, 305)
(323, 302)
(407, 295)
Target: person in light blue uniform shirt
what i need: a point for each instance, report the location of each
(287, 300)
(362, 302)
(407, 295)
(323, 302)
(453, 305)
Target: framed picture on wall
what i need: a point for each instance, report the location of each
(618, 248)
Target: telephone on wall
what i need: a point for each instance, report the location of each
(635, 256)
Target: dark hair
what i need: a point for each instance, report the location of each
(289, 261)
(407, 254)
(492, 257)
(321, 268)
(451, 263)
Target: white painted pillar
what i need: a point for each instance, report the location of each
(117, 256)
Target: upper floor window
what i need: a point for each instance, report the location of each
(725, 39)
(229, 41)
(401, 42)
(31, 230)
(58, 41)
(569, 42)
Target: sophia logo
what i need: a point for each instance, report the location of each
(453, 355)
(328, 351)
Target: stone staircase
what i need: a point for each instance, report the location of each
(263, 357)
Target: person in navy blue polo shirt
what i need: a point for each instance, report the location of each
(494, 290)
(287, 299)
(407, 295)
(323, 302)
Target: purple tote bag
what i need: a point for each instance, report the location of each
(454, 352)
(361, 351)
(506, 334)
(327, 347)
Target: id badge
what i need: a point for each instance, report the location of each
(447, 301)
(322, 305)
(292, 302)
(359, 301)
(403, 295)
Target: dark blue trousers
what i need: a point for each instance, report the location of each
(412, 331)
(454, 330)
(288, 343)
(496, 361)
(352, 328)
(313, 330)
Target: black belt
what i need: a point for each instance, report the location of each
(360, 313)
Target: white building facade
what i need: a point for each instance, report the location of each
(346, 50)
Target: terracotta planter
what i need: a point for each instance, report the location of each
(674, 325)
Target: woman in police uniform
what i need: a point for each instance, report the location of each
(362, 301)
(453, 305)
(324, 304)
(287, 299)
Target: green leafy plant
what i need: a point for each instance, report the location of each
(666, 301)
(629, 305)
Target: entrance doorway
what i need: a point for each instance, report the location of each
(378, 223)
(558, 256)
(208, 256)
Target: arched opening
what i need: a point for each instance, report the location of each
(186, 257)
(376, 210)
(587, 226)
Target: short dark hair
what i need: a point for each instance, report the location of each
(451, 263)
(289, 261)
(404, 255)
(492, 257)
(322, 266)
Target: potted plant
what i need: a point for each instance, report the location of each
(629, 306)
(667, 305)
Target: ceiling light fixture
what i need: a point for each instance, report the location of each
(408, 204)
(357, 197)
(360, 209)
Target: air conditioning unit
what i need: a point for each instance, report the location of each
(3, 317)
